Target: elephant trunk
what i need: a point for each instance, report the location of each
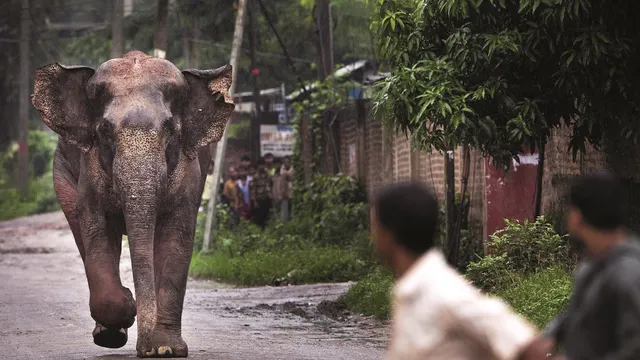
(140, 176)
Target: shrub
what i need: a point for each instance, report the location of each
(326, 240)
(330, 210)
(371, 295)
(540, 296)
(522, 248)
(41, 196)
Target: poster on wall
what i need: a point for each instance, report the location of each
(278, 140)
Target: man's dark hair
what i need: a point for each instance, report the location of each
(601, 199)
(268, 155)
(410, 212)
(245, 158)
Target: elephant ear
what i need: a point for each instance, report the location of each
(208, 109)
(59, 95)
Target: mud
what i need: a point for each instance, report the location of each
(44, 309)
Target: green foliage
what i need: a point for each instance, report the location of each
(528, 268)
(521, 248)
(498, 74)
(326, 240)
(330, 210)
(322, 107)
(268, 267)
(41, 195)
(371, 295)
(540, 296)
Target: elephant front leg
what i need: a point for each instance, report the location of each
(112, 305)
(172, 255)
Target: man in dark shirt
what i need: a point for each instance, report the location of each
(602, 320)
(261, 189)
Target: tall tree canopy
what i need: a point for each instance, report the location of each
(214, 23)
(499, 74)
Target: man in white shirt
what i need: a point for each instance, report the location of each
(437, 314)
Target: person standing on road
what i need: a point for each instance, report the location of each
(261, 188)
(437, 314)
(244, 193)
(280, 192)
(206, 192)
(602, 320)
(269, 161)
(231, 196)
(287, 172)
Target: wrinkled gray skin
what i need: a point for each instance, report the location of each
(134, 149)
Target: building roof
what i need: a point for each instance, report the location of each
(338, 74)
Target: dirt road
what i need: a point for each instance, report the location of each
(44, 309)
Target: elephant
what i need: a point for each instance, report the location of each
(131, 159)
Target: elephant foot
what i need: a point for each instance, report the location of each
(109, 338)
(162, 345)
(113, 308)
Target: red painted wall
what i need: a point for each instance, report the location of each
(510, 195)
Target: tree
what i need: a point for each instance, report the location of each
(39, 55)
(498, 75)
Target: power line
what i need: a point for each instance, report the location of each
(283, 46)
(261, 53)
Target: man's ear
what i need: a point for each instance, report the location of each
(208, 108)
(59, 95)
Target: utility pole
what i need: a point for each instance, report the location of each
(255, 72)
(25, 36)
(160, 43)
(324, 29)
(222, 144)
(117, 29)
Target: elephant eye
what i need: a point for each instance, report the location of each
(105, 130)
(169, 126)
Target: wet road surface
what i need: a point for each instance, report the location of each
(44, 309)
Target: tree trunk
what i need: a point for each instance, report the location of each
(117, 29)
(160, 42)
(540, 175)
(222, 145)
(450, 201)
(196, 45)
(25, 37)
(186, 50)
(460, 212)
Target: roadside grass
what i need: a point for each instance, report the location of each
(529, 268)
(301, 266)
(371, 295)
(538, 297)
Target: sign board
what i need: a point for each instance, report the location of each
(278, 140)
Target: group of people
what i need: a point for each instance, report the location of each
(253, 192)
(437, 314)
